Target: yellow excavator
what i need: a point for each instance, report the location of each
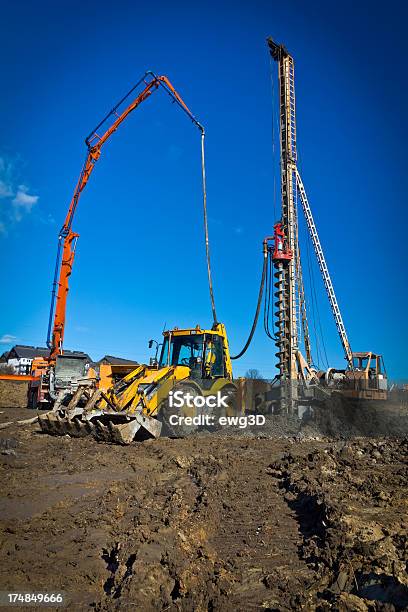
(195, 362)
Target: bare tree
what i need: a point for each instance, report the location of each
(5, 368)
(254, 374)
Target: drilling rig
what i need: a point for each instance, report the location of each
(364, 377)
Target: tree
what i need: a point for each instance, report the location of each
(254, 374)
(6, 369)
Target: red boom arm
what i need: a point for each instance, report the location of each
(67, 238)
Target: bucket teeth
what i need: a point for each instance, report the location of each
(101, 432)
(56, 425)
(124, 433)
(77, 428)
(50, 423)
(101, 425)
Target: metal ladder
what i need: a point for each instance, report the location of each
(324, 269)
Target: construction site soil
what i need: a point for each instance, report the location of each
(210, 522)
(13, 393)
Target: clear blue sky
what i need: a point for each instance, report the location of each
(140, 257)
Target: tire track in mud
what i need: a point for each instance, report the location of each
(256, 536)
(206, 523)
(217, 535)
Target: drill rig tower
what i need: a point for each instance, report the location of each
(291, 317)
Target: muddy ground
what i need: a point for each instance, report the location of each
(217, 523)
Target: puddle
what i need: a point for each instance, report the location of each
(22, 509)
(56, 488)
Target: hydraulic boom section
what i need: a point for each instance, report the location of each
(67, 238)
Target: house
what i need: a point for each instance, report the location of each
(111, 360)
(20, 357)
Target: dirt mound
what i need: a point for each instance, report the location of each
(343, 418)
(352, 513)
(13, 393)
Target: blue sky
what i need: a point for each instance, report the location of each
(140, 258)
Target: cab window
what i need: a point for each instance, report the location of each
(186, 350)
(214, 362)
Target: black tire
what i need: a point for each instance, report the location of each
(32, 399)
(231, 391)
(181, 430)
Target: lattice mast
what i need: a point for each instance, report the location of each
(291, 317)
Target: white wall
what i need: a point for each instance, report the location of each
(21, 366)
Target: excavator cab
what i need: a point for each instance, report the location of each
(368, 378)
(370, 363)
(201, 351)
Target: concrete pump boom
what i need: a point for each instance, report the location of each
(67, 238)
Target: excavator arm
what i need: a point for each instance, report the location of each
(67, 238)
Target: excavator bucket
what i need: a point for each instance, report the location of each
(121, 427)
(103, 425)
(118, 411)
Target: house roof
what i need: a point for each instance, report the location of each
(20, 351)
(88, 358)
(116, 360)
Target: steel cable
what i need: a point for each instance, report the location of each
(207, 243)
(258, 307)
